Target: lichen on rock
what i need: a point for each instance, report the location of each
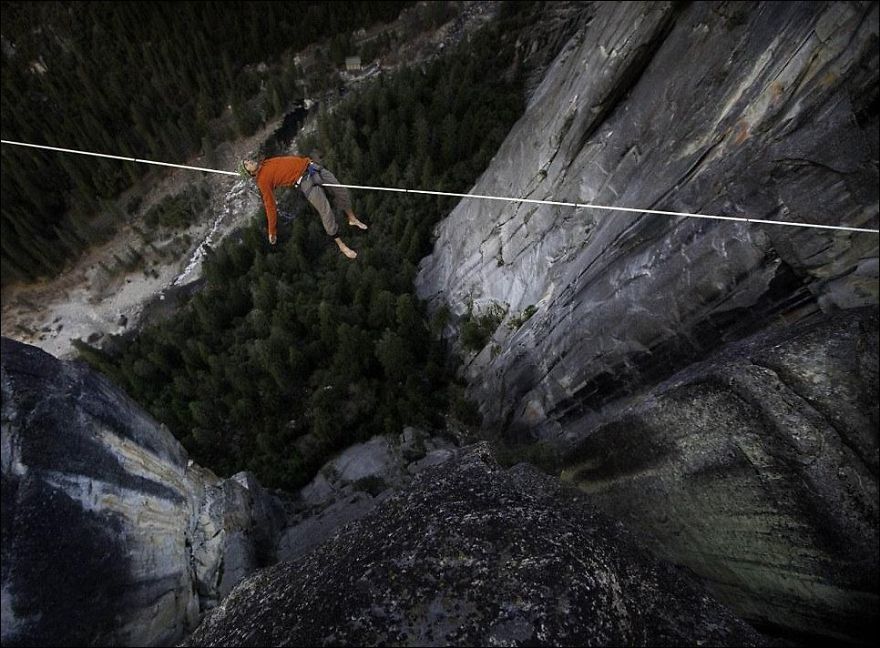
(471, 554)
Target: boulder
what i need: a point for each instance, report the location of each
(353, 483)
(470, 554)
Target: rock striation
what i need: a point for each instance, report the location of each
(758, 469)
(111, 536)
(758, 110)
(470, 554)
(762, 110)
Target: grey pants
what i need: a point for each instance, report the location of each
(314, 192)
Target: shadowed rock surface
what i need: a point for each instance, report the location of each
(110, 535)
(758, 469)
(471, 554)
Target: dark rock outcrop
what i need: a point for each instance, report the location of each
(758, 469)
(111, 536)
(471, 554)
(352, 484)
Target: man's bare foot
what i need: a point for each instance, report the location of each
(347, 251)
(354, 222)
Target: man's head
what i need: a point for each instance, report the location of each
(247, 168)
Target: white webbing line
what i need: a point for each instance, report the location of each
(611, 208)
(119, 157)
(481, 197)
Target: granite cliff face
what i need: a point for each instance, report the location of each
(110, 535)
(711, 385)
(759, 110)
(757, 468)
(760, 472)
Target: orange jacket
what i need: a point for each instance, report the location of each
(278, 172)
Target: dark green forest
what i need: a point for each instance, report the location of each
(292, 352)
(140, 79)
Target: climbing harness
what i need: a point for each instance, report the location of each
(311, 170)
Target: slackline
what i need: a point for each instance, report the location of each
(741, 219)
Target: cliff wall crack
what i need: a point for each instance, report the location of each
(629, 77)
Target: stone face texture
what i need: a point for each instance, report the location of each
(110, 535)
(353, 483)
(758, 470)
(742, 110)
(471, 554)
(760, 110)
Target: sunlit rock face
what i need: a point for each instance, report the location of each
(473, 555)
(765, 111)
(110, 535)
(761, 111)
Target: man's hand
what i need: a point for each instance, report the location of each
(272, 239)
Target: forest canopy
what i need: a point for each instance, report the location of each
(292, 352)
(139, 79)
